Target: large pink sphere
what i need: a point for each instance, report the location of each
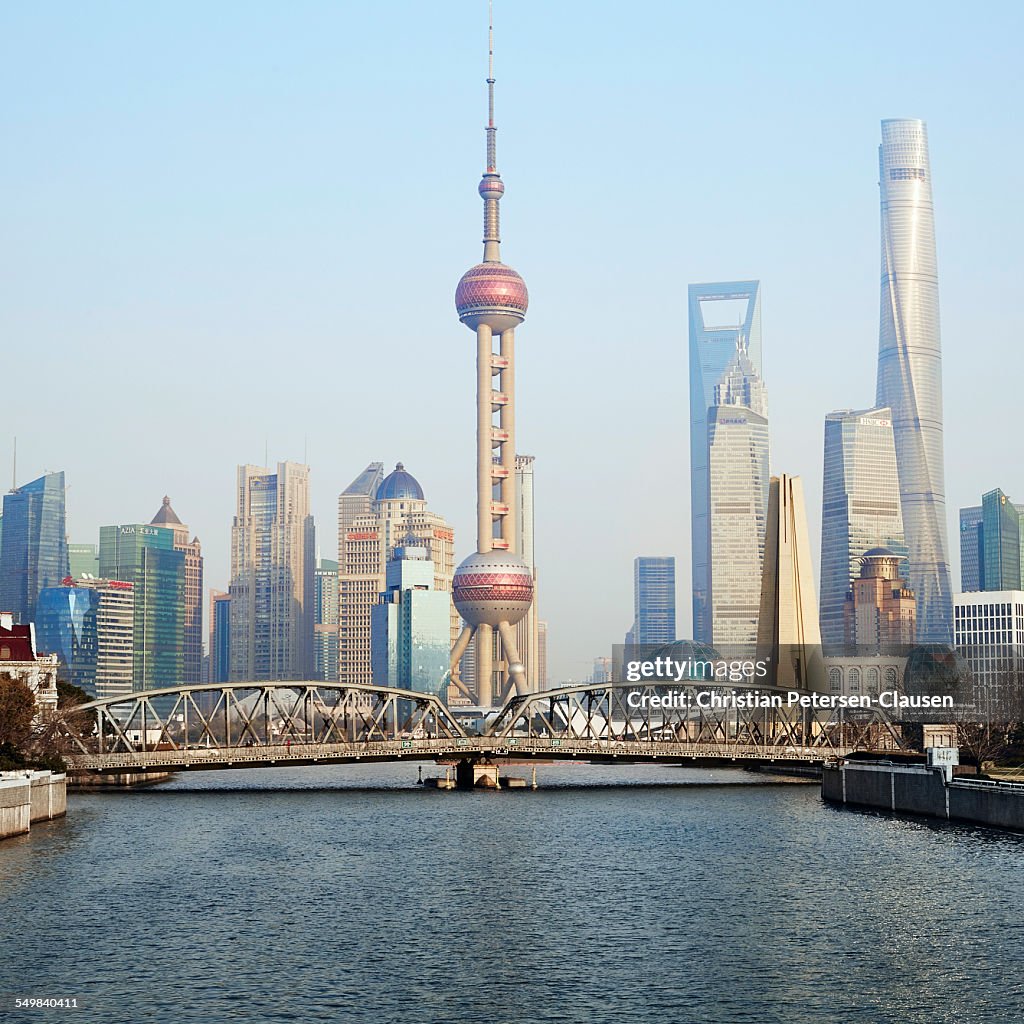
(492, 294)
(492, 588)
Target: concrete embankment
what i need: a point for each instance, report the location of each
(29, 796)
(917, 789)
(116, 780)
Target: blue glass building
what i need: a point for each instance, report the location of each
(972, 559)
(66, 625)
(1001, 542)
(410, 628)
(220, 638)
(34, 547)
(654, 601)
(992, 544)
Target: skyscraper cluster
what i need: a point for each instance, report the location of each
(122, 615)
(883, 485)
(883, 469)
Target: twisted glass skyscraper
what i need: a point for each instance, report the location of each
(910, 365)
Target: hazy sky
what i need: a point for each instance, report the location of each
(236, 224)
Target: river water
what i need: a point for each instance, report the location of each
(608, 896)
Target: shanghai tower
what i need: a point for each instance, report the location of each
(910, 365)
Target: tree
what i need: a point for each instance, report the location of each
(17, 709)
(988, 716)
(68, 695)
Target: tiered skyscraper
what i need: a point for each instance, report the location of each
(860, 508)
(493, 588)
(725, 324)
(272, 561)
(910, 365)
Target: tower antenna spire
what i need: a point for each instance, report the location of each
(492, 160)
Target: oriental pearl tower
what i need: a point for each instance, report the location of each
(493, 588)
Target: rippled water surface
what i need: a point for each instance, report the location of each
(608, 896)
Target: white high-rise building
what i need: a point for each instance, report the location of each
(738, 501)
(989, 635)
(115, 635)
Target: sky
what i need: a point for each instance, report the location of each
(236, 228)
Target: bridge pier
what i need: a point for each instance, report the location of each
(472, 774)
(465, 773)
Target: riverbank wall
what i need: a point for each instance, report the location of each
(30, 796)
(918, 789)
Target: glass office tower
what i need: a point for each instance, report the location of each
(910, 366)
(721, 316)
(34, 547)
(654, 601)
(860, 508)
(1001, 542)
(66, 625)
(146, 557)
(272, 562)
(972, 559)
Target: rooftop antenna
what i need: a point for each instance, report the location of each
(14, 468)
(266, 452)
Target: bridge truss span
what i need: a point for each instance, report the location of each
(211, 723)
(695, 719)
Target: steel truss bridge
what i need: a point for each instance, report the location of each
(247, 725)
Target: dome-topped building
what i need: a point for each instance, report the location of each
(399, 485)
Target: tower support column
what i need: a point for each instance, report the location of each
(485, 665)
(508, 449)
(484, 420)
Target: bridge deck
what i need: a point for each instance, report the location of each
(482, 748)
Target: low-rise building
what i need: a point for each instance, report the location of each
(18, 659)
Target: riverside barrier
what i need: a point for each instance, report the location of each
(30, 796)
(918, 789)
